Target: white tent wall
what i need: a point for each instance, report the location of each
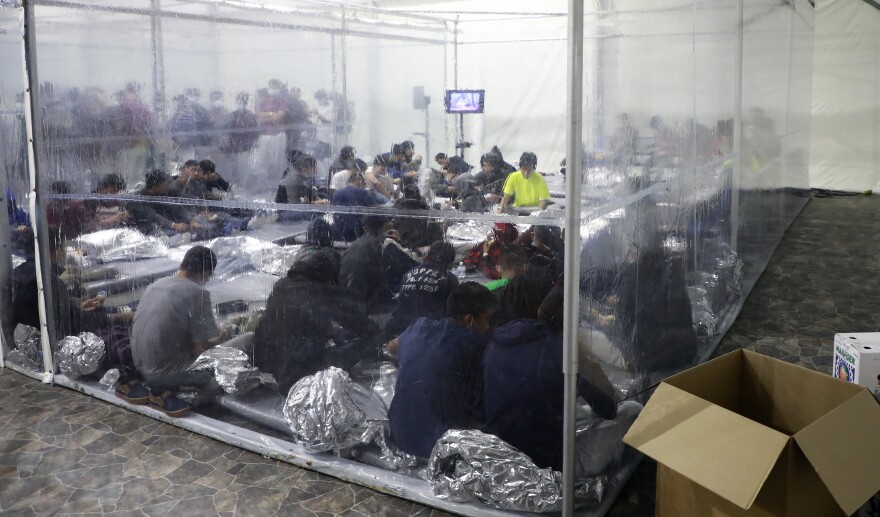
(677, 59)
(845, 152)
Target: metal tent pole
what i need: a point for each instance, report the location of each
(574, 146)
(738, 161)
(33, 124)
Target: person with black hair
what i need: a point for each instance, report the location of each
(68, 215)
(526, 187)
(524, 385)
(377, 178)
(319, 236)
(109, 213)
(441, 181)
(173, 325)
(424, 289)
(293, 338)
(520, 298)
(546, 254)
(361, 269)
(209, 176)
(414, 232)
(150, 218)
(442, 160)
(347, 160)
(298, 183)
(411, 160)
(71, 315)
(340, 177)
(188, 182)
(242, 126)
(396, 258)
(348, 227)
(189, 123)
(512, 262)
(466, 195)
(493, 175)
(439, 384)
(647, 309)
(395, 161)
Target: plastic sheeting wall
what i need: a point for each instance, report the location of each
(695, 140)
(846, 97)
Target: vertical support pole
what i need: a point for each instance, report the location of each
(343, 70)
(428, 156)
(573, 152)
(460, 138)
(785, 179)
(445, 78)
(33, 125)
(737, 130)
(160, 128)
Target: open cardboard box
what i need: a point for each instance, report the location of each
(745, 434)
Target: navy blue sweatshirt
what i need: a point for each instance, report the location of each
(523, 397)
(438, 386)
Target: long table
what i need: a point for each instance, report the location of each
(135, 275)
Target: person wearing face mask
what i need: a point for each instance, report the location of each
(325, 122)
(273, 111)
(217, 109)
(440, 383)
(173, 325)
(525, 186)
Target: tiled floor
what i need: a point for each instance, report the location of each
(65, 453)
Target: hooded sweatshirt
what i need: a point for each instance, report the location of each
(524, 390)
(469, 198)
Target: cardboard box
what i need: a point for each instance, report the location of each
(747, 435)
(857, 360)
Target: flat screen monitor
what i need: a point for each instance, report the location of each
(465, 101)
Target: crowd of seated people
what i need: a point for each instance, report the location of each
(460, 346)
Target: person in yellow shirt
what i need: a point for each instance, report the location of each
(525, 186)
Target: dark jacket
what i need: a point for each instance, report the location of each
(302, 316)
(653, 323)
(152, 218)
(468, 198)
(523, 394)
(415, 232)
(361, 273)
(422, 294)
(243, 127)
(23, 293)
(348, 227)
(438, 386)
(396, 262)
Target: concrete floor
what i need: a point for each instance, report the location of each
(65, 453)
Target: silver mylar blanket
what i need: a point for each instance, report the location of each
(232, 370)
(80, 355)
(469, 465)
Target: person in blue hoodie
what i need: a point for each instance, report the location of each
(348, 227)
(523, 385)
(439, 384)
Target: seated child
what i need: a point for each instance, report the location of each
(439, 383)
(425, 289)
(523, 390)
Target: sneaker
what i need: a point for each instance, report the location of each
(133, 393)
(169, 404)
(262, 219)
